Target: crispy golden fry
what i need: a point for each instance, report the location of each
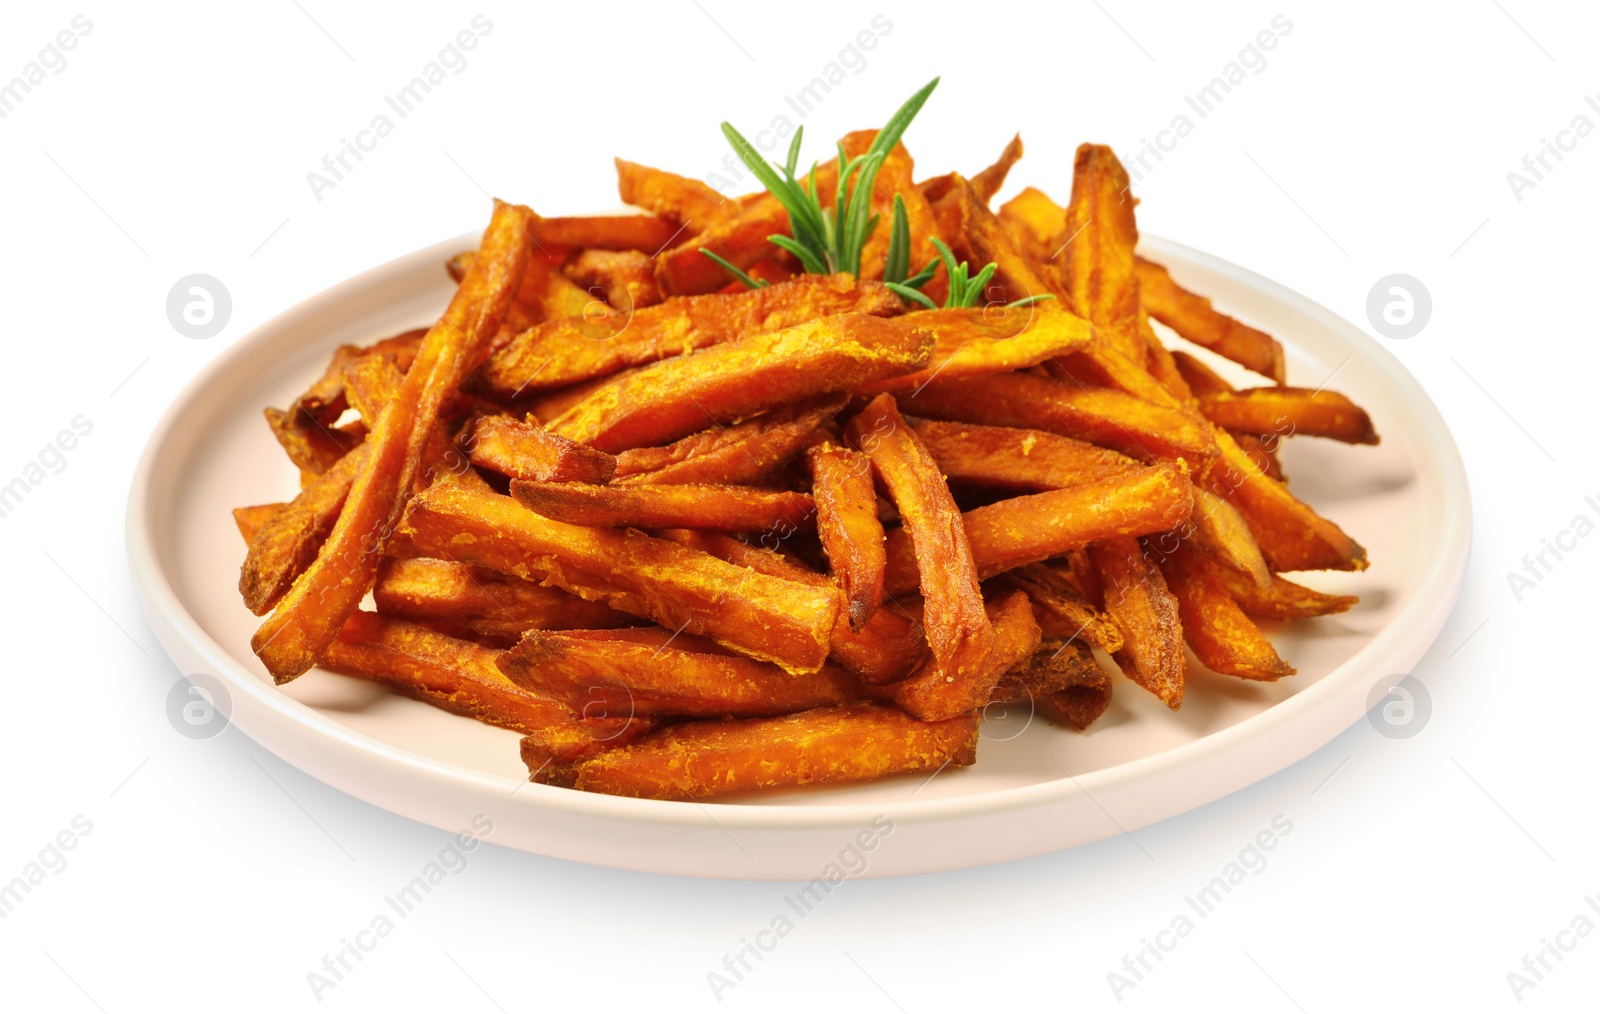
(937, 692)
(286, 544)
(1291, 535)
(477, 602)
(1087, 694)
(250, 519)
(1035, 223)
(976, 236)
(1194, 319)
(1282, 411)
(694, 760)
(1102, 416)
(461, 676)
(744, 454)
(1029, 461)
(1264, 457)
(674, 677)
(701, 505)
(1284, 600)
(1054, 591)
(625, 279)
(313, 447)
(324, 400)
(605, 232)
(737, 379)
(688, 202)
(982, 340)
(1027, 529)
(567, 351)
(1056, 664)
(1097, 263)
(309, 616)
(781, 621)
(886, 650)
(1217, 529)
(988, 182)
(1202, 379)
(1217, 630)
(1162, 365)
(848, 525)
(370, 384)
(1143, 608)
(957, 627)
(525, 451)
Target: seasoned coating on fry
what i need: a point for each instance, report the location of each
(690, 203)
(719, 508)
(527, 451)
(1285, 411)
(1215, 628)
(1194, 319)
(1291, 535)
(1143, 608)
(848, 526)
(1024, 460)
(744, 454)
(938, 692)
(982, 340)
(1097, 262)
(605, 232)
(625, 279)
(472, 601)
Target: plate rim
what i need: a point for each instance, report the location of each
(1409, 634)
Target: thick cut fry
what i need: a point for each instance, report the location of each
(313, 447)
(1217, 529)
(1291, 535)
(937, 693)
(988, 182)
(957, 627)
(695, 760)
(1028, 461)
(1035, 223)
(992, 339)
(625, 279)
(1285, 600)
(1099, 415)
(1264, 456)
(1054, 591)
(371, 383)
(250, 519)
(1202, 379)
(690, 203)
(1216, 629)
(1143, 608)
(1281, 411)
(1085, 698)
(670, 399)
(738, 236)
(478, 602)
(1097, 263)
(848, 525)
(308, 618)
(744, 454)
(1194, 319)
(976, 236)
(1028, 529)
(605, 232)
(701, 505)
(675, 677)
(785, 622)
(286, 543)
(462, 677)
(525, 451)
(567, 351)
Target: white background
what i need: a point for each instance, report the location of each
(1377, 140)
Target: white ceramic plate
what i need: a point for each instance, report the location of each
(1036, 788)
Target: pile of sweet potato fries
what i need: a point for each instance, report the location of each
(692, 537)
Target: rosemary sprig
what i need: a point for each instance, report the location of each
(965, 289)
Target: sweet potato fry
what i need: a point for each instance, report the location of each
(1027, 529)
(1290, 410)
(1056, 664)
(958, 629)
(625, 279)
(1194, 319)
(1291, 535)
(688, 202)
(1054, 591)
(1218, 530)
(1265, 457)
(1085, 698)
(1284, 600)
(670, 678)
(780, 621)
(702, 505)
(744, 454)
(1102, 416)
(526, 451)
(477, 602)
(976, 341)
(286, 543)
(988, 182)
(1143, 608)
(309, 616)
(1035, 223)
(695, 760)
(740, 378)
(312, 446)
(1097, 263)
(937, 692)
(250, 519)
(605, 232)
(566, 351)
(1029, 461)
(324, 400)
(461, 676)
(1216, 629)
(848, 525)
(371, 383)
(1202, 379)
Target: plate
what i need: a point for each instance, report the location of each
(1036, 788)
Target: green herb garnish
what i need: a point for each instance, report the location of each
(964, 291)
